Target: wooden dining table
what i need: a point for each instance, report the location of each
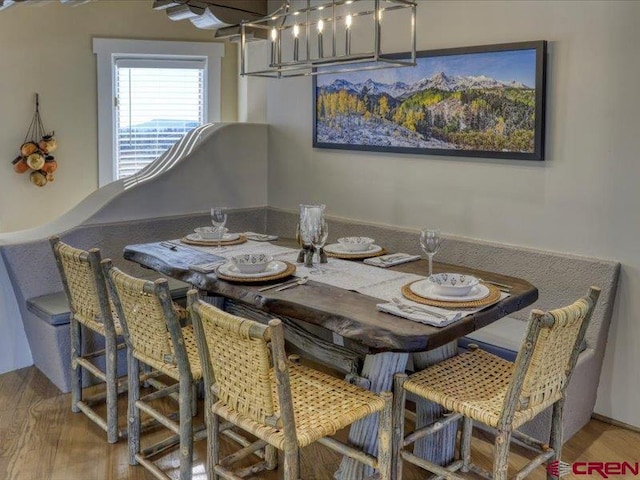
(344, 330)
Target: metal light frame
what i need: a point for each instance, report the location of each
(313, 66)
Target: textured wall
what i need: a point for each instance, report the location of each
(582, 200)
(47, 48)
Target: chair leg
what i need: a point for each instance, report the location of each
(186, 428)
(133, 413)
(556, 433)
(213, 443)
(292, 464)
(501, 455)
(112, 388)
(465, 444)
(76, 371)
(385, 432)
(399, 401)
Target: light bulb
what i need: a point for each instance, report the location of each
(296, 30)
(348, 20)
(320, 26)
(274, 35)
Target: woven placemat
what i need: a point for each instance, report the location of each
(291, 269)
(356, 256)
(493, 297)
(214, 243)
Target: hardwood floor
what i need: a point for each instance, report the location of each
(41, 439)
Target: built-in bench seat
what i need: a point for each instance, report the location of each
(54, 309)
(502, 338)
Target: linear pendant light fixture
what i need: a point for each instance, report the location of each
(319, 38)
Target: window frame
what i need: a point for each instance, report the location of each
(108, 51)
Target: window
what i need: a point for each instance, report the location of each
(157, 102)
(149, 95)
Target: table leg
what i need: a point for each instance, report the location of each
(379, 371)
(440, 447)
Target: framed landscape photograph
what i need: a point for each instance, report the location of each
(485, 101)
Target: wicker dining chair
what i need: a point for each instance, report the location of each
(479, 386)
(90, 307)
(155, 337)
(250, 383)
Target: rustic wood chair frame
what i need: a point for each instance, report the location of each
(278, 430)
(102, 324)
(513, 404)
(178, 365)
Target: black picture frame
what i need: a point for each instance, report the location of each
(511, 98)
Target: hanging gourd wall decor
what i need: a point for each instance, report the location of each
(35, 152)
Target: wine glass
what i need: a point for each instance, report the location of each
(430, 242)
(219, 220)
(319, 231)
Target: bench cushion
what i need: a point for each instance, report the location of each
(502, 338)
(54, 307)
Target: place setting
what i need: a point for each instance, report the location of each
(451, 290)
(354, 248)
(365, 248)
(442, 298)
(216, 235)
(254, 268)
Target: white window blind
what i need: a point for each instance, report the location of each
(157, 101)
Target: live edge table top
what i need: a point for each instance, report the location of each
(350, 314)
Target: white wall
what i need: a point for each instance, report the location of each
(47, 48)
(582, 199)
(252, 100)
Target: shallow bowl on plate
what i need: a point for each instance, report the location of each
(211, 233)
(356, 244)
(252, 262)
(452, 284)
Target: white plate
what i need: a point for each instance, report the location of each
(274, 268)
(424, 288)
(227, 237)
(337, 249)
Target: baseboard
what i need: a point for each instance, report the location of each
(615, 423)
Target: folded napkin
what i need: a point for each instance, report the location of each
(419, 314)
(260, 237)
(390, 260)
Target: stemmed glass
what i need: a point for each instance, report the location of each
(430, 242)
(219, 220)
(319, 231)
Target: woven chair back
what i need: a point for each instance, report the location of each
(80, 280)
(241, 361)
(552, 358)
(144, 317)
